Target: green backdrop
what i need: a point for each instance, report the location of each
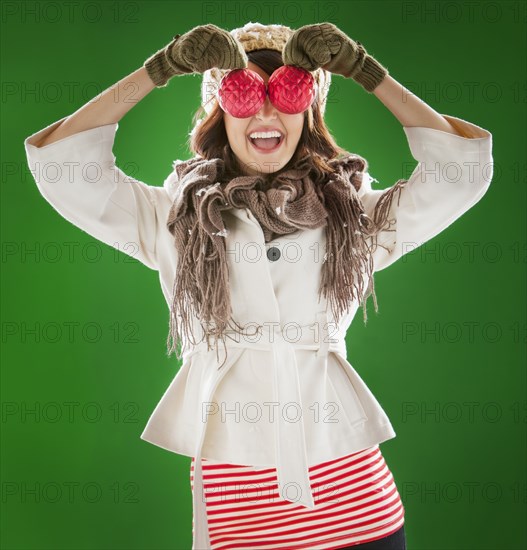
(84, 326)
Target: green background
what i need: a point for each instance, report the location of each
(86, 480)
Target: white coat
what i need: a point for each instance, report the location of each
(286, 397)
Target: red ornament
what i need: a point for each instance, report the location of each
(291, 89)
(242, 92)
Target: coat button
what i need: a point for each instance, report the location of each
(273, 254)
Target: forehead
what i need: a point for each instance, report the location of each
(256, 69)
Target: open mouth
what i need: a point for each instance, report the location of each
(266, 145)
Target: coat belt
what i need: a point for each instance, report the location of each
(291, 455)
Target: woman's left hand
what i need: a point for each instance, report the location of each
(325, 45)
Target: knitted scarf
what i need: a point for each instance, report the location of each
(293, 201)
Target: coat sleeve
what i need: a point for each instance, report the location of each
(78, 177)
(453, 173)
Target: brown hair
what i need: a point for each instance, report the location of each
(209, 139)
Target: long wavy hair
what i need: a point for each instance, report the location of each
(209, 138)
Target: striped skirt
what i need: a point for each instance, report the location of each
(356, 501)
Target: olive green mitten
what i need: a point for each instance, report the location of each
(196, 51)
(325, 45)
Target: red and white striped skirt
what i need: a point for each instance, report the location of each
(356, 501)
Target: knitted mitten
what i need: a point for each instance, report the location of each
(326, 46)
(198, 50)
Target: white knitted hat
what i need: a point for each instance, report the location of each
(255, 36)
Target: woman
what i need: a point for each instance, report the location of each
(283, 433)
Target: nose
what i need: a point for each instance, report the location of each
(268, 110)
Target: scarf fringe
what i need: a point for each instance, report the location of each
(201, 286)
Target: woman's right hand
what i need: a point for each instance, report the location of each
(196, 51)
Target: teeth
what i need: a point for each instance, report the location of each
(265, 135)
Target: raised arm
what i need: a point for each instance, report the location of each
(108, 107)
(72, 159)
(198, 50)
(325, 45)
(411, 111)
(454, 157)
(454, 171)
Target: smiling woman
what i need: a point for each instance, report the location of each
(275, 148)
(219, 240)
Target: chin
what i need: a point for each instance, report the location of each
(264, 166)
(273, 167)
